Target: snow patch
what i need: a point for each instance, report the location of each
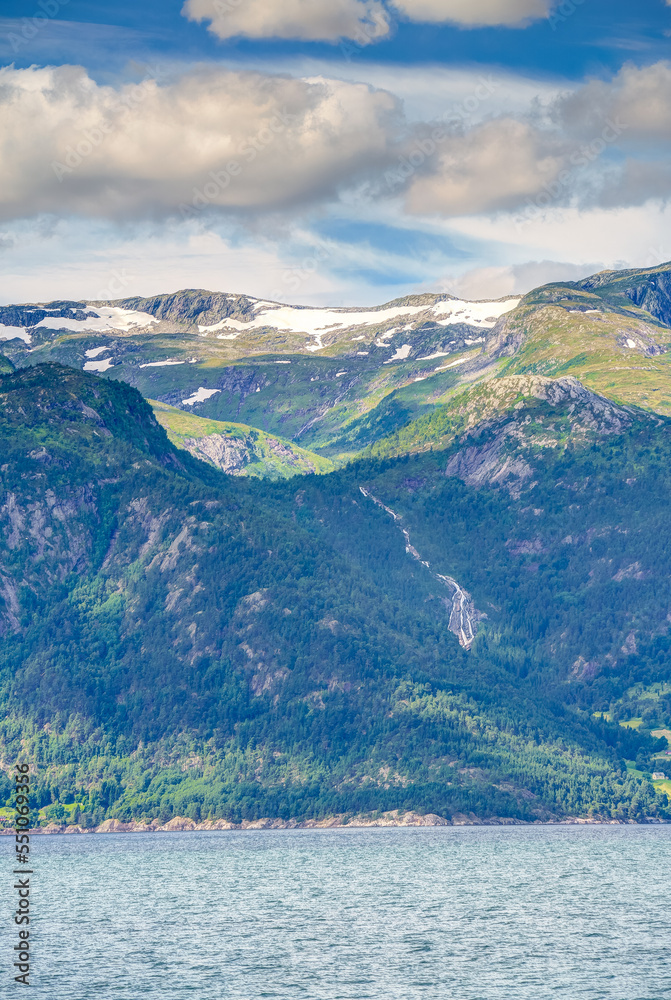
(103, 318)
(401, 354)
(484, 314)
(98, 366)
(314, 322)
(161, 364)
(631, 343)
(439, 354)
(95, 351)
(452, 364)
(14, 332)
(200, 396)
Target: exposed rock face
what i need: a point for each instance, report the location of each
(584, 670)
(497, 462)
(631, 572)
(228, 453)
(283, 451)
(191, 306)
(587, 408)
(392, 818)
(50, 534)
(653, 295)
(488, 464)
(30, 316)
(232, 454)
(182, 824)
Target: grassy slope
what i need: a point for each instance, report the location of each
(333, 406)
(556, 335)
(264, 456)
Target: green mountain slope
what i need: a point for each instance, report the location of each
(599, 331)
(237, 449)
(338, 381)
(552, 412)
(181, 642)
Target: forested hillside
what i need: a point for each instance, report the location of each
(176, 641)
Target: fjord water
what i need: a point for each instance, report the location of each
(479, 913)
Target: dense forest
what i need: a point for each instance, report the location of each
(176, 642)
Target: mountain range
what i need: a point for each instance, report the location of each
(271, 561)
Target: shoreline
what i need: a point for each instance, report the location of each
(389, 820)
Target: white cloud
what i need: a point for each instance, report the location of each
(474, 13)
(246, 141)
(313, 20)
(636, 236)
(80, 258)
(515, 279)
(492, 167)
(574, 153)
(432, 91)
(363, 21)
(637, 99)
(325, 143)
(236, 140)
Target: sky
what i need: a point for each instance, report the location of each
(330, 152)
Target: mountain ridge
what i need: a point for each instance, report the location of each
(352, 376)
(467, 614)
(178, 642)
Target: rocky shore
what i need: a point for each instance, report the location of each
(181, 824)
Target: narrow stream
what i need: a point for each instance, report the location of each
(464, 616)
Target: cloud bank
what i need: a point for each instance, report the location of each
(216, 140)
(309, 20)
(475, 13)
(229, 140)
(494, 166)
(363, 21)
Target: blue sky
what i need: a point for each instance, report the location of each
(375, 149)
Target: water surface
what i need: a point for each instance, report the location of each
(482, 913)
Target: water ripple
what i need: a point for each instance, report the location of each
(536, 913)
